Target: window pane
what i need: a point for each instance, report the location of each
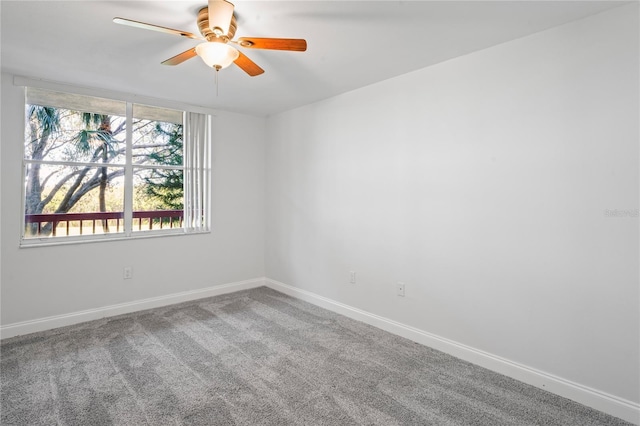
(158, 199)
(155, 140)
(73, 200)
(158, 195)
(64, 135)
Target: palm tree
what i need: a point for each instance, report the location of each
(104, 138)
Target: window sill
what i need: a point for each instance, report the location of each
(88, 239)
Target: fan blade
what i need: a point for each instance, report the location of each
(296, 44)
(145, 26)
(220, 14)
(180, 58)
(247, 65)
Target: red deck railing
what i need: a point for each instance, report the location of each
(156, 219)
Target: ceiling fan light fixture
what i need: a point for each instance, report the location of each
(218, 25)
(217, 55)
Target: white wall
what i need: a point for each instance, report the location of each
(482, 183)
(50, 281)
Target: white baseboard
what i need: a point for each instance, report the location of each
(42, 324)
(585, 395)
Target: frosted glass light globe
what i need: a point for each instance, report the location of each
(217, 55)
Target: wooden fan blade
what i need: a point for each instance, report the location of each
(145, 26)
(296, 44)
(247, 65)
(180, 58)
(220, 14)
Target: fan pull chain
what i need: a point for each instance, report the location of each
(217, 71)
(217, 68)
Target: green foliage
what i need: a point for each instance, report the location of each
(96, 133)
(48, 118)
(166, 186)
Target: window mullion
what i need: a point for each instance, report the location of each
(128, 172)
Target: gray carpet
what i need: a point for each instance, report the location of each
(257, 357)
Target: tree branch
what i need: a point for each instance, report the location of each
(89, 185)
(57, 188)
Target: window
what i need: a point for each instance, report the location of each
(98, 168)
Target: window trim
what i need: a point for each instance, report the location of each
(130, 100)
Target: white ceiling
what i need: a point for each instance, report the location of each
(350, 44)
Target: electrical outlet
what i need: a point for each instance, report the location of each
(127, 272)
(400, 289)
(352, 277)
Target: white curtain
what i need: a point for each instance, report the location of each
(197, 172)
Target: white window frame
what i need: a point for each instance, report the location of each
(202, 170)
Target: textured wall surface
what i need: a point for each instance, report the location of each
(485, 184)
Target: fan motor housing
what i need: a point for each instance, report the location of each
(203, 26)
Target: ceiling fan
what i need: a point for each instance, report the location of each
(218, 25)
